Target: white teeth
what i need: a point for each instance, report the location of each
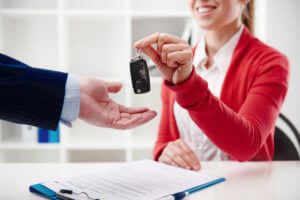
(204, 9)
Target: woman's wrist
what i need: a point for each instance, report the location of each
(190, 91)
(184, 74)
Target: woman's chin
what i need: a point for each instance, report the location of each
(206, 23)
(207, 26)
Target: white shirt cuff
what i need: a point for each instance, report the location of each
(71, 106)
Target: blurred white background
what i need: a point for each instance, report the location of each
(94, 38)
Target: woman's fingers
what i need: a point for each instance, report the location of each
(172, 52)
(189, 155)
(168, 48)
(152, 53)
(176, 154)
(167, 160)
(165, 38)
(158, 38)
(175, 59)
(147, 41)
(166, 72)
(179, 154)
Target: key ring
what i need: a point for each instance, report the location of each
(139, 53)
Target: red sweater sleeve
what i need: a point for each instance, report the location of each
(239, 134)
(167, 128)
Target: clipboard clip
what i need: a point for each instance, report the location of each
(62, 192)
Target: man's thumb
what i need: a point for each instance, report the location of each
(113, 87)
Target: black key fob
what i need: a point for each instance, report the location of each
(139, 75)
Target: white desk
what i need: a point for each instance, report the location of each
(250, 180)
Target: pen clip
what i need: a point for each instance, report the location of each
(65, 191)
(167, 197)
(176, 196)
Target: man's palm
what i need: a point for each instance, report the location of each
(98, 109)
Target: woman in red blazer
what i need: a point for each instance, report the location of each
(238, 122)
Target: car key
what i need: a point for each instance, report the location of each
(139, 74)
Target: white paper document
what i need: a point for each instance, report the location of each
(140, 180)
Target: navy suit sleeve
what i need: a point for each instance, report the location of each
(30, 95)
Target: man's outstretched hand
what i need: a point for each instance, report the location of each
(98, 109)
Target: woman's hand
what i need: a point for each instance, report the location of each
(179, 154)
(173, 56)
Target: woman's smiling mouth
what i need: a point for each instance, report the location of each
(205, 10)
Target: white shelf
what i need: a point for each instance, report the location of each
(79, 13)
(30, 155)
(95, 155)
(100, 146)
(159, 14)
(139, 154)
(142, 145)
(34, 146)
(29, 4)
(91, 5)
(159, 5)
(31, 39)
(28, 12)
(82, 13)
(91, 43)
(142, 27)
(87, 38)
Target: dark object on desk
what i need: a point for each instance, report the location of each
(65, 191)
(139, 75)
(285, 149)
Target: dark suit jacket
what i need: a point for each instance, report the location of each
(30, 95)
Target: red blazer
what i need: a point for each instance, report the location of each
(241, 123)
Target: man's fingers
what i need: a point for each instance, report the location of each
(135, 120)
(127, 122)
(113, 87)
(124, 109)
(125, 115)
(189, 155)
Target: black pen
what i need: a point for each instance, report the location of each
(63, 191)
(63, 197)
